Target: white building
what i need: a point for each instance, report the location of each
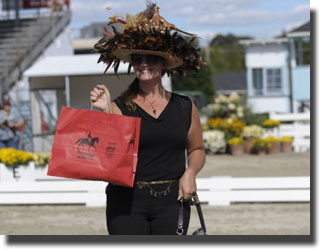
(267, 75)
(278, 72)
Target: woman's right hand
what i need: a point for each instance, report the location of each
(100, 98)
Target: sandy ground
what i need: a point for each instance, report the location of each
(236, 219)
(282, 164)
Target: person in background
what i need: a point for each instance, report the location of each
(10, 122)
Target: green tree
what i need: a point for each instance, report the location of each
(222, 40)
(200, 81)
(226, 54)
(282, 35)
(228, 39)
(227, 58)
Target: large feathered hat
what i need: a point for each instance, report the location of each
(148, 33)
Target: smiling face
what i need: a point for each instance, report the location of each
(148, 67)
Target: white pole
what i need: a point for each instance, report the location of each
(67, 88)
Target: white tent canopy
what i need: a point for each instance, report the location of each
(71, 65)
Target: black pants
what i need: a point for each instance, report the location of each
(133, 211)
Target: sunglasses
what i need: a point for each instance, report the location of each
(149, 59)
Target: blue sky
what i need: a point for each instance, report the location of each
(261, 19)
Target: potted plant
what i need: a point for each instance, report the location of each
(270, 124)
(260, 146)
(14, 159)
(236, 146)
(214, 141)
(273, 143)
(249, 133)
(286, 144)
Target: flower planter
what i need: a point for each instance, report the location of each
(21, 173)
(286, 147)
(274, 148)
(214, 141)
(261, 152)
(237, 150)
(247, 145)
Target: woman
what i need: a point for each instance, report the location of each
(169, 125)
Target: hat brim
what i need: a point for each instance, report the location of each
(125, 55)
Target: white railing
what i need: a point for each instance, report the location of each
(299, 129)
(89, 193)
(225, 190)
(31, 185)
(294, 117)
(218, 190)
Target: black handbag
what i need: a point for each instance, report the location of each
(194, 200)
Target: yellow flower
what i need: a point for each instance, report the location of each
(286, 139)
(270, 124)
(216, 123)
(260, 144)
(271, 139)
(227, 125)
(14, 157)
(235, 141)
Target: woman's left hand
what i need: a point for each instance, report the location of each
(187, 185)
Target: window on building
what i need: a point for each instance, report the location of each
(302, 48)
(274, 80)
(257, 81)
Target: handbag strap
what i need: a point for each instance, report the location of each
(180, 230)
(200, 214)
(194, 200)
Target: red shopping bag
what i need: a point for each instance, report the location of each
(93, 145)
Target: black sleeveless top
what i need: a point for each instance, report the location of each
(163, 140)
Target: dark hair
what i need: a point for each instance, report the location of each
(127, 96)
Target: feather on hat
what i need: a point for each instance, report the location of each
(148, 33)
